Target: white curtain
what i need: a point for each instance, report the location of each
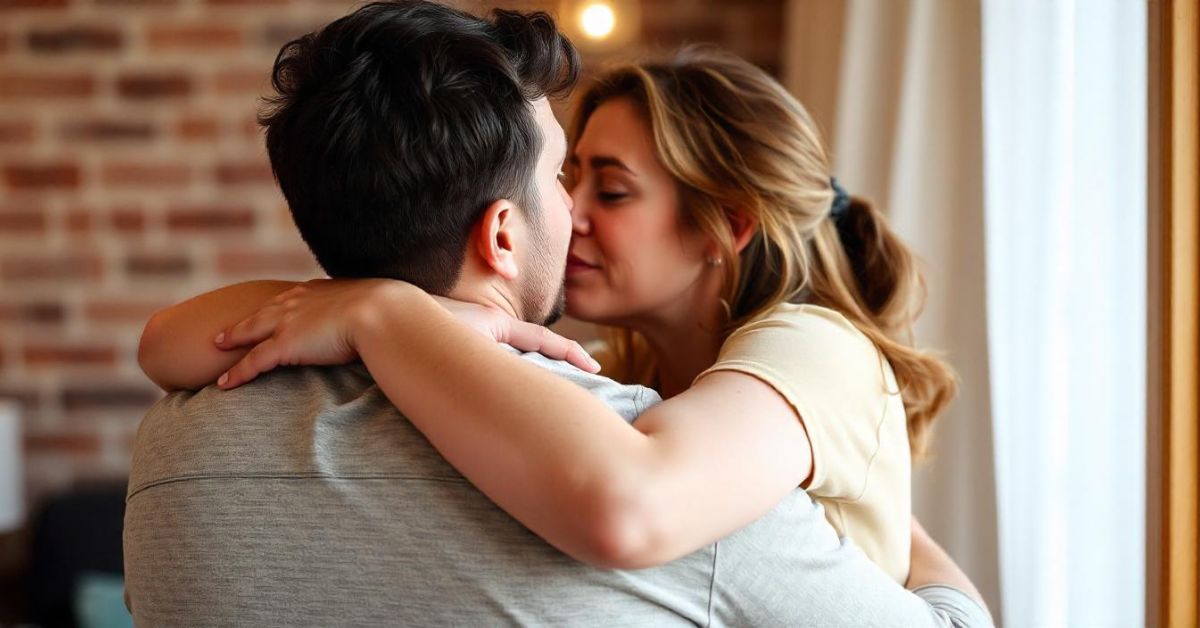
(1005, 139)
(1064, 103)
(907, 133)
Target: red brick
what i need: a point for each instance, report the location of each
(23, 222)
(106, 130)
(145, 174)
(69, 355)
(120, 397)
(79, 222)
(16, 131)
(51, 267)
(46, 85)
(198, 128)
(32, 4)
(202, 37)
(44, 176)
(158, 265)
(244, 3)
(235, 82)
(75, 39)
(72, 443)
(145, 4)
(128, 221)
(121, 311)
(246, 172)
(148, 85)
(214, 218)
(37, 313)
(275, 35)
(258, 263)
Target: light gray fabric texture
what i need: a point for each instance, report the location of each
(306, 498)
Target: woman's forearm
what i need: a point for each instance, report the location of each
(177, 351)
(931, 565)
(563, 478)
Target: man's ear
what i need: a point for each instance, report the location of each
(496, 238)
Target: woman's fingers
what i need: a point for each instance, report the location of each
(263, 357)
(251, 330)
(578, 356)
(531, 337)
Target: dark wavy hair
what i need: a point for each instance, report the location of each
(394, 127)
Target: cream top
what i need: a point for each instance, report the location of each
(844, 392)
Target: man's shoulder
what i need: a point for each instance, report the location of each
(627, 400)
(291, 422)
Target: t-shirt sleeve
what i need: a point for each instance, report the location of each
(954, 607)
(627, 401)
(790, 568)
(834, 378)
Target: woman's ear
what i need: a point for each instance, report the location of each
(495, 238)
(742, 226)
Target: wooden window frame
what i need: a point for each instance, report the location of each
(1173, 375)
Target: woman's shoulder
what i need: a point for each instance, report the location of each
(809, 343)
(812, 323)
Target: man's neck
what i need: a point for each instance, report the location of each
(484, 293)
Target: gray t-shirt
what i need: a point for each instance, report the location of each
(306, 498)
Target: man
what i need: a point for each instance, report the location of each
(415, 142)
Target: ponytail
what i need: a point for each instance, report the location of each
(862, 269)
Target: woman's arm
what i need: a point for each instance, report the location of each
(177, 352)
(932, 566)
(699, 466)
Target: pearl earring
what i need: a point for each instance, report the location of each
(714, 261)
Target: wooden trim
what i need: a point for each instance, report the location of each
(1173, 384)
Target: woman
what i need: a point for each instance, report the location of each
(769, 310)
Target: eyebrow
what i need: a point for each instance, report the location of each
(601, 161)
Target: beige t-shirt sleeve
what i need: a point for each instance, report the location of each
(844, 391)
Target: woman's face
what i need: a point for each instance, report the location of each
(631, 257)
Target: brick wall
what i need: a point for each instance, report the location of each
(132, 175)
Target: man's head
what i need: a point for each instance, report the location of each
(414, 141)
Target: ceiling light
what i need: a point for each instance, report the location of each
(597, 20)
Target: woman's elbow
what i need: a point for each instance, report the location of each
(624, 532)
(149, 348)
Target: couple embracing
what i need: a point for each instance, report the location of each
(407, 444)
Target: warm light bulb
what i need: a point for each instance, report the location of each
(597, 20)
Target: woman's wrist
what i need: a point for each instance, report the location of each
(379, 303)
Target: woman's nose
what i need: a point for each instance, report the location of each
(580, 221)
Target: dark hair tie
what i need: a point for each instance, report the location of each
(841, 201)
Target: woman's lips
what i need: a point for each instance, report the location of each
(576, 265)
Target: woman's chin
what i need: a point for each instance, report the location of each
(582, 306)
(579, 313)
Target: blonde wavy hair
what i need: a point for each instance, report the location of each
(736, 141)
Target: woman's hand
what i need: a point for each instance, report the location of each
(501, 327)
(314, 324)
